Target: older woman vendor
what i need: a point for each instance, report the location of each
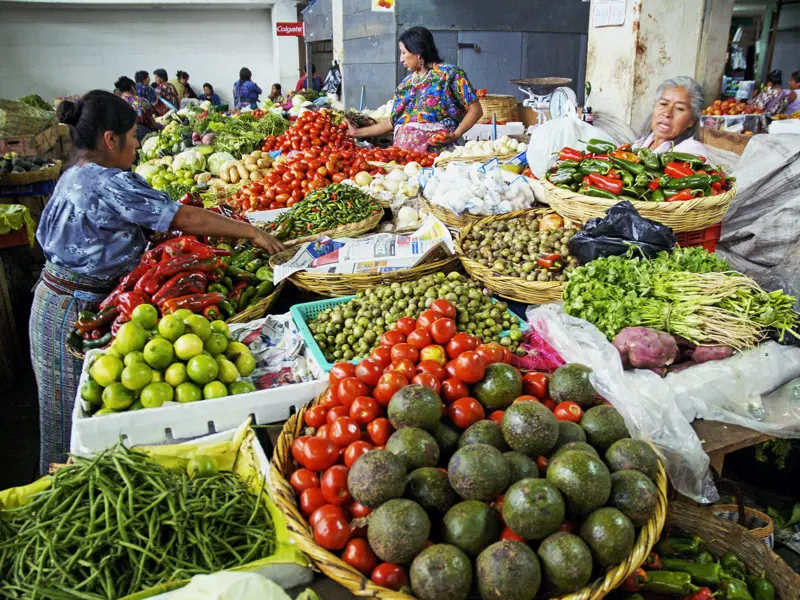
(675, 119)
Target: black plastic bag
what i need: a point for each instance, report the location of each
(617, 232)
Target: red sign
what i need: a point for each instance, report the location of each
(290, 29)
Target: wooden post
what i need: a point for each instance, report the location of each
(773, 36)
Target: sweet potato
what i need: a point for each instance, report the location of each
(645, 348)
(680, 367)
(704, 354)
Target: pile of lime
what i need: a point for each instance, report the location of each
(180, 358)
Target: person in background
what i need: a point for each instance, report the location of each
(316, 81)
(143, 89)
(165, 90)
(245, 92)
(178, 84)
(145, 115)
(775, 99)
(794, 97)
(91, 234)
(188, 92)
(276, 94)
(675, 119)
(209, 95)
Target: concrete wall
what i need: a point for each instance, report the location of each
(713, 47)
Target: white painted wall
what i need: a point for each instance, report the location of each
(57, 51)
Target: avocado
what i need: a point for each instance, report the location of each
(634, 495)
(484, 432)
(508, 570)
(578, 446)
(609, 534)
(415, 406)
(571, 382)
(398, 530)
(441, 572)
(478, 472)
(521, 466)
(566, 562)
(603, 425)
(376, 477)
(471, 526)
(530, 428)
(627, 454)
(568, 432)
(415, 447)
(500, 386)
(583, 479)
(431, 489)
(446, 435)
(533, 508)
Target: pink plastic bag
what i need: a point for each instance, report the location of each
(415, 136)
(540, 355)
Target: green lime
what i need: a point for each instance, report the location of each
(106, 369)
(241, 387)
(136, 405)
(202, 369)
(198, 325)
(245, 364)
(188, 392)
(188, 346)
(236, 349)
(116, 396)
(201, 466)
(171, 328)
(113, 350)
(136, 376)
(104, 411)
(145, 315)
(134, 357)
(221, 327)
(158, 353)
(175, 374)
(130, 338)
(157, 376)
(155, 394)
(215, 344)
(92, 392)
(227, 371)
(215, 389)
(182, 313)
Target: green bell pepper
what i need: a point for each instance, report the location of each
(704, 575)
(760, 587)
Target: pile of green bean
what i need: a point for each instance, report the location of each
(121, 523)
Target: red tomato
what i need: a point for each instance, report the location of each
(336, 412)
(311, 499)
(405, 352)
(379, 431)
(369, 371)
(420, 339)
(465, 411)
(354, 451)
(453, 389)
(381, 355)
(461, 342)
(444, 307)
(568, 411)
(351, 388)
(390, 576)
(345, 431)
(322, 432)
(339, 371)
(332, 532)
(333, 484)
(491, 353)
(329, 399)
(510, 536)
(303, 480)
(497, 503)
(507, 355)
(497, 416)
(567, 526)
(535, 384)
(450, 369)
(549, 403)
(406, 325)
(469, 367)
(392, 337)
(319, 454)
(364, 410)
(403, 366)
(388, 384)
(359, 555)
(326, 510)
(428, 381)
(432, 367)
(426, 319)
(443, 330)
(315, 416)
(526, 399)
(433, 353)
(358, 510)
(542, 463)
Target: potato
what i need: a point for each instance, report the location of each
(250, 160)
(256, 154)
(234, 175)
(225, 176)
(255, 176)
(251, 167)
(243, 172)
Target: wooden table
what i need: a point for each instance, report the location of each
(720, 439)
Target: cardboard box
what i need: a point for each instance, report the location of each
(30, 145)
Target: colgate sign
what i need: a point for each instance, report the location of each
(290, 29)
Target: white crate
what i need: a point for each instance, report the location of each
(179, 422)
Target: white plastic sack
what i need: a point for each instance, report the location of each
(548, 139)
(230, 585)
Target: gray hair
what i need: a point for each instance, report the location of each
(697, 99)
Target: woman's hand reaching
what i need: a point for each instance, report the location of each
(267, 242)
(443, 139)
(352, 130)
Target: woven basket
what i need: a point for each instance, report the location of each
(331, 565)
(513, 288)
(443, 162)
(332, 285)
(49, 174)
(725, 535)
(448, 217)
(349, 230)
(689, 215)
(257, 310)
(501, 106)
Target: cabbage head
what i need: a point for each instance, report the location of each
(149, 170)
(216, 160)
(191, 160)
(150, 147)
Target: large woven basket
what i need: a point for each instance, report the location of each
(448, 217)
(443, 162)
(689, 215)
(51, 173)
(332, 285)
(281, 467)
(723, 535)
(258, 310)
(503, 107)
(513, 288)
(349, 230)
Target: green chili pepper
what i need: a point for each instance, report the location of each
(733, 565)
(264, 289)
(597, 193)
(240, 260)
(734, 589)
(227, 282)
(627, 178)
(264, 274)
(227, 309)
(649, 158)
(566, 164)
(669, 582)
(86, 315)
(254, 265)
(641, 180)
(98, 343)
(247, 295)
(666, 158)
(705, 558)
(760, 587)
(241, 275)
(634, 192)
(564, 186)
(635, 168)
(708, 575)
(596, 146)
(562, 176)
(217, 287)
(693, 182)
(681, 157)
(589, 166)
(653, 174)
(677, 545)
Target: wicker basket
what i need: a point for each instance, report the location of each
(448, 217)
(257, 310)
(443, 162)
(49, 174)
(505, 108)
(349, 230)
(331, 565)
(513, 288)
(725, 535)
(333, 285)
(689, 215)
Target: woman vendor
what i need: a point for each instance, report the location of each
(91, 234)
(675, 119)
(434, 106)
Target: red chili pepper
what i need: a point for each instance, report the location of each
(606, 183)
(678, 170)
(222, 252)
(211, 313)
(104, 317)
(237, 290)
(119, 322)
(686, 194)
(635, 581)
(654, 185)
(189, 245)
(129, 281)
(602, 157)
(652, 562)
(170, 247)
(195, 302)
(717, 186)
(127, 301)
(184, 262)
(548, 261)
(570, 154)
(624, 147)
(182, 284)
(628, 156)
(149, 283)
(702, 594)
(112, 297)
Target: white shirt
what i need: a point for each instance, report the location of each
(690, 146)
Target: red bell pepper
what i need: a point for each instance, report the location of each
(170, 248)
(678, 170)
(654, 185)
(149, 283)
(182, 284)
(635, 581)
(127, 301)
(195, 302)
(179, 264)
(686, 194)
(606, 183)
(112, 297)
(570, 154)
(119, 322)
(129, 281)
(548, 261)
(702, 594)
(652, 562)
(601, 157)
(211, 312)
(106, 315)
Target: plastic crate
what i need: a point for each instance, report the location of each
(302, 313)
(707, 238)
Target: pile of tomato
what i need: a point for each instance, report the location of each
(349, 421)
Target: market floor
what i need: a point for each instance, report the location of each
(19, 431)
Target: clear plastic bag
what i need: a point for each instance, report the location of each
(548, 139)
